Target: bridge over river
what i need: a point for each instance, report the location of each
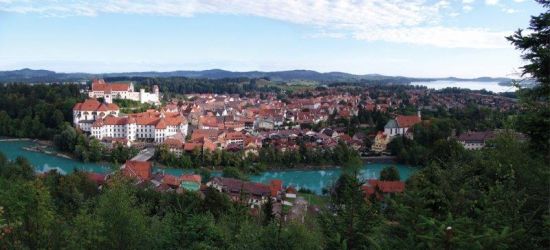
(143, 155)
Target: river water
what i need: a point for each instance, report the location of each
(314, 180)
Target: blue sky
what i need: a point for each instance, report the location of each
(463, 38)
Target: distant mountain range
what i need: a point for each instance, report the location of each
(30, 76)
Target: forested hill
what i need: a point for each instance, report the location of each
(30, 75)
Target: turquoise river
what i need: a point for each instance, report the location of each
(312, 179)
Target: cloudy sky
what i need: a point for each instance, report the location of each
(422, 38)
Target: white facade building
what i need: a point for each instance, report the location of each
(148, 126)
(122, 90)
(475, 140)
(87, 112)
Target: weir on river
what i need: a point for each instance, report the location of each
(313, 179)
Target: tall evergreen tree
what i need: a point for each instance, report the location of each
(535, 45)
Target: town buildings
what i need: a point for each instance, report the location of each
(153, 126)
(102, 121)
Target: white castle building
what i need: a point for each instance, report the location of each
(102, 121)
(122, 90)
(87, 112)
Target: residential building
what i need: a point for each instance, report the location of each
(147, 126)
(475, 140)
(255, 194)
(87, 112)
(401, 124)
(380, 189)
(138, 170)
(381, 142)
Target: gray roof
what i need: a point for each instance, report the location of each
(391, 124)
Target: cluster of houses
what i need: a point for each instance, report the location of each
(462, 99)
(251, 194)
(226, 122)
(247, 123)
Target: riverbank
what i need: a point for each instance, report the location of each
(7, 139)
(308, 178)
(380, 159)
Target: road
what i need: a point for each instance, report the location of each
(144, 154)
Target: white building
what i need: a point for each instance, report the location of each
(475, 140)
(122, 90)
(85, 113)
(401, 124)
(148, 126)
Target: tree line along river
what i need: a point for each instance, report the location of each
(313, 179)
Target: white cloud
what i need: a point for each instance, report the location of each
(366, 20)
(439, 37)
(467, 1)
(327, 34)
(467, 8)
(454, 14)
(491, 2)
(509, 10)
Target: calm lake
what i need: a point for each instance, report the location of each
(473, 85)
(314, 180)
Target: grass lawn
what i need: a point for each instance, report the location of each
(314, 199)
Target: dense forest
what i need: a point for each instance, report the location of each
(172, 86)
(36, 111)
(495, 198)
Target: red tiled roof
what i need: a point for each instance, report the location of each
(476, 136)
(99, 179)
(138, 169)
(235, 186)
(120, 86)
(173, 143)
(406, 121)
(171, 180)
(113, 120)
(191, 178)
(291, 190)
(101, 85)
(190, 146)
(387, 186)
(275, 186)
(234, 136)
(94, 105)
(202, 133)
(153, 118)
(161, 124)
